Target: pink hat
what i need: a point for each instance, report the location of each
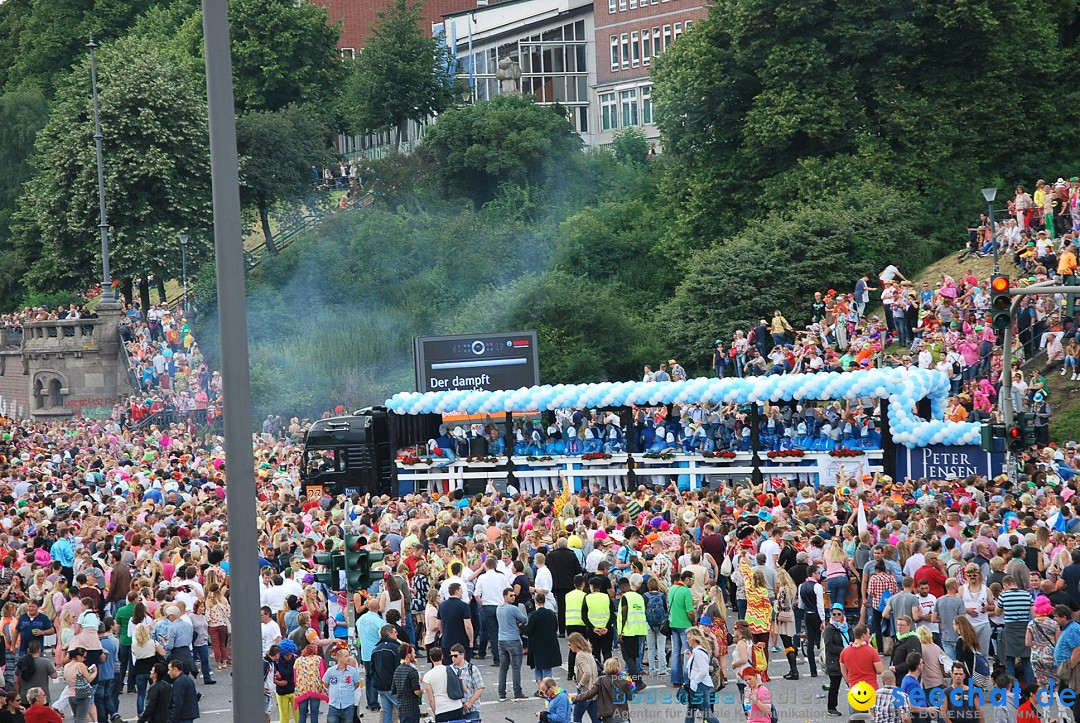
(600, 535)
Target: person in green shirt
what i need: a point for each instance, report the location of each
(124, 668)
(680, 619)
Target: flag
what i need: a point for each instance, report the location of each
(862, 518)
(1060, 523)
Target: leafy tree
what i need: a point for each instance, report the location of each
(758, 90)
(277, 150)
(631, 145)
(778, 262)
(40, 39)
(402, 75)
(283, 52)
(156, 174)
(585, 332)
(508, 139)
(22, 114)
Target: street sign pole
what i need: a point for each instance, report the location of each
(247, 683)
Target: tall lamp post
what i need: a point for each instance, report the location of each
(990, 194)
(183, 255)
(103, 224)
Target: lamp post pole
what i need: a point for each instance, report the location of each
(103, 224)
(183, 254)
(990, 194)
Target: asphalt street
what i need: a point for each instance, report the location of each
(798, 701)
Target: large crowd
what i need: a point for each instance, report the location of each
(114, 548)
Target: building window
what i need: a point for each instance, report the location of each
(646, 105)
(667, 37)
(609, 119)
(656, 41)
(635, 48)
(614, 52)
(633, 4)
(622, 5)
(677, 33)
(625, 50)
(686, 26)
(611, 6)
(629, 107)
(348, 54)
(646, 47)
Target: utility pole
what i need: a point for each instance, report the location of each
(240, 490)
(107, 294)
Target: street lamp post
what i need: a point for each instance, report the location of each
(990, 194)
(103, 224)
(183, 254)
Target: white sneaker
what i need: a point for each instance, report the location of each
(1062, 372)
(1074, 376)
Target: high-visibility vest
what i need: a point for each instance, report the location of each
(575, 601)
(598, 609)
(636, 624)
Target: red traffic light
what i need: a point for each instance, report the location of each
(999, 284)
(1015, 432)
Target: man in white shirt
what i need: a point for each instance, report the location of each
(890, 273)
(274, 596)
(441, 705)
(598, 553)
(489, 586)
(455, 576)
(542, 584)
(771, 549)
(917, 559)
(271, 633)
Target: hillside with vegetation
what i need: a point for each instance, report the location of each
(803, 145)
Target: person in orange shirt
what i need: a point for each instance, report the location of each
(957, 412)
(1067, 263)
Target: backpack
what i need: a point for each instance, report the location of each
(884, 600)
(656, 611)
(454, 689)
(25, 668)
(981, 675)
(759, 658)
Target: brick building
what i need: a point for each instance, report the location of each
(358, 17)
(629, 34)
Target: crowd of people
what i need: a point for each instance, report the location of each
(114, 547)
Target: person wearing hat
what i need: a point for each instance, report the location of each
(837, 636)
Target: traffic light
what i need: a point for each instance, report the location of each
(332, 564)
(1000, 302)
(358, 563)
(1022, 432)
(989, 434)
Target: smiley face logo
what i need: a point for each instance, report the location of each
(862, 696)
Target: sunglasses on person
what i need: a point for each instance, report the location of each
(838, 615)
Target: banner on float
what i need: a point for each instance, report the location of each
(944, 461)
(829, 468)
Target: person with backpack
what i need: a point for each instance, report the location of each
(837, 636)
(384, 661)
(443, 689)
(656, 614)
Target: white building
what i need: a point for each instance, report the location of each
(552, 42)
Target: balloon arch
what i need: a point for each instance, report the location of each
(903, 388)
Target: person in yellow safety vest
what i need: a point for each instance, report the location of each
(599, 619)
(632, 625)
(574, 602)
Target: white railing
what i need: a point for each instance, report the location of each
(691, 470)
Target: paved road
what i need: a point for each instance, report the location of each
(796, 700)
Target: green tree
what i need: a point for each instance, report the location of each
(630, 145)
(779, 262)
(22, 114)
(760, 90)
(156, 174)
(283, 52)
(586, 334)
(403, 74)
(508, 139)
(277, 150)
(40, 39)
